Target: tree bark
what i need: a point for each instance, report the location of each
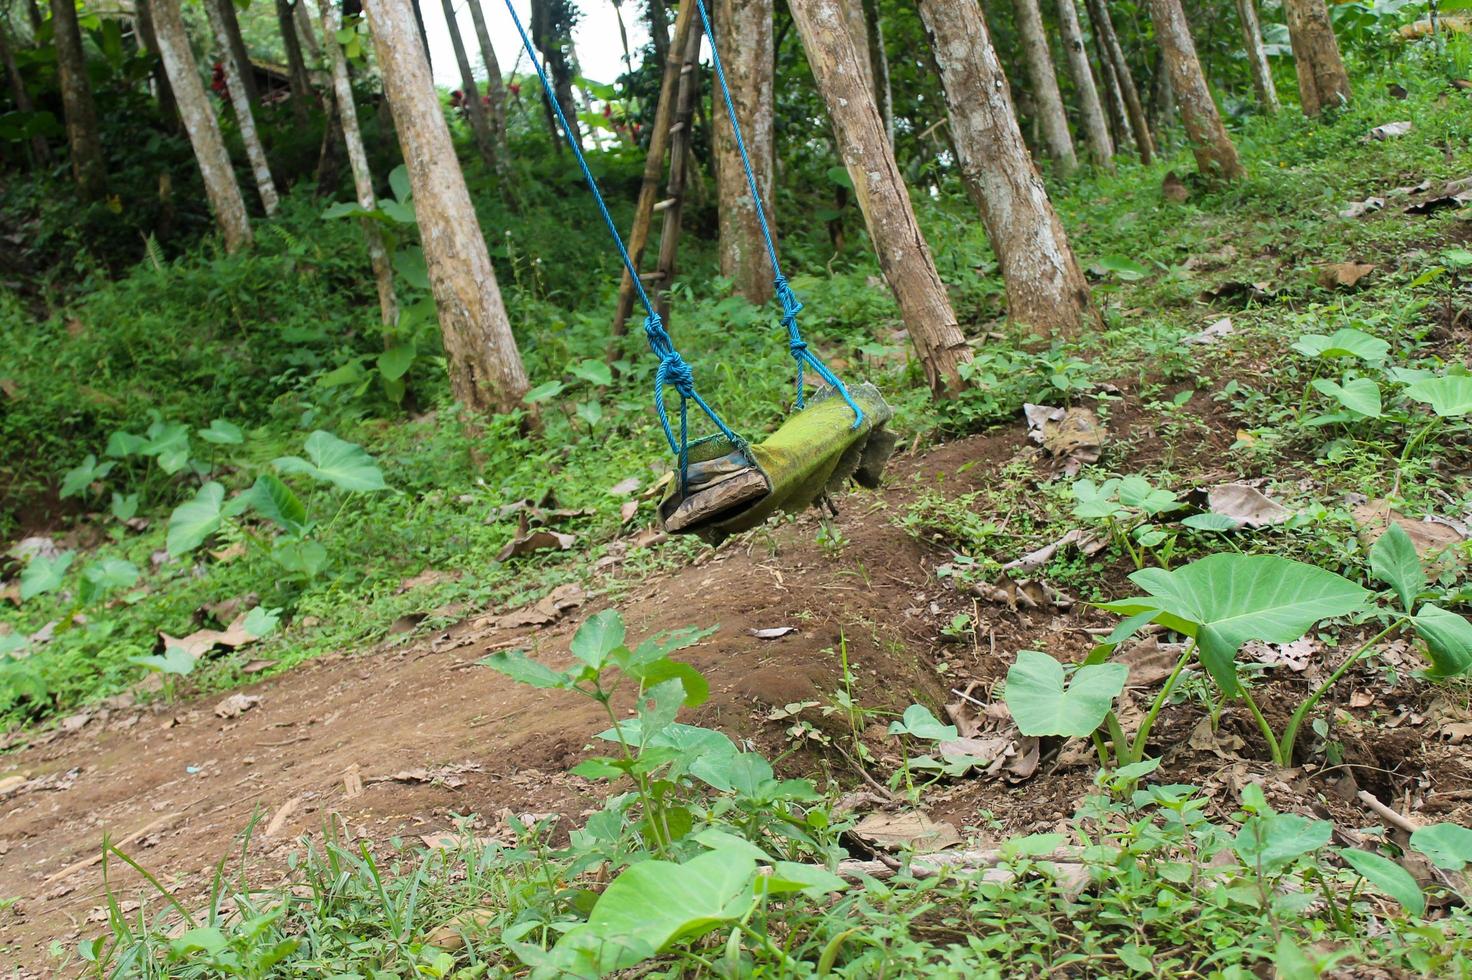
(40, 152)
(1119, 123)
(1257, 56)
(1139, 124)
(475, 111)
(244, 119)
(347, 113)
(879, 65)
(301, 86)
(1039, 61)
(200, 124)
(235, 43)
(1096, 128)
(1045, 286)
(486, 373)
(306, 34)
(903, 252)
(744, 36)
(495, 89)
(423, 34)
(659, 31)
(1322, 81)
(549, 35)
(1216, 155)
(82, 135)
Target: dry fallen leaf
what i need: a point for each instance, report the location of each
(627, 511)
(352, 782)
(450, 936)
(543, 612)
(1211, 334)
(1088, 544)
(772, 632)
(11, 784)
(428, 577)
(1345, 274)
(1389, 130)
(1246, 505)
(283, 813)
(235, 705)
(1074, 435)
(539, 540)
(1435, 540)
(256, 666)
(1149, 660)
(625, 487)
(909, 831)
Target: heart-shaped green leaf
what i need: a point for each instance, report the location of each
(1043, 704)
(44, 574)
(1448, 396)
(1393, 560)
(1345, 342)
(1445, 844)
(1271, 841)
(918, 722)
(336, 461)
(599, 636)
(194, 520)
(80, 477)
(274, 501)
(1388, 876)
(107, 575)
(1359, 395)
(1448, 640)
(222, 433)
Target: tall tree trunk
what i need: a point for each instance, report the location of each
(495, 89)
(475, 111)
(1216, 155)
(200, 124)
(1119, 123)
(744, 35)
(143, 18)
(82, 136)
(40, 152)
(1045, 87)
(347, 114)
(305, 32)
(33, 11)
(486, 372)
(879, 65)
(234, 42)
(550, 35)
(1257, 56)
(1045, 286)
(423, 34)
(301, 86)
(1322, 81)
(1096, 129)
(244, 119)
(903, 252)
(1139, 124)
(659, 31)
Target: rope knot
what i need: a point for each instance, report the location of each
(675, 371)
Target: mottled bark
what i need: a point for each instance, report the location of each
(40, 152)
(1322, 80)
(82, 135)
(200, 124)
(1257, 57)
(475, 110)
(1090, 109)
(659, 31)
(904, 255)
(244, 119)
(1045, 286)
(305, 32)
(1124, 79)
(301, 86)
(879, 65)
(143, 21)
(347, 114)
(423, 34)
(744, 37)
(549, 35)
(486, 372)
(235, 42)
(1119, 125)
(1216, 155)
(1049, 102)
(495, 89)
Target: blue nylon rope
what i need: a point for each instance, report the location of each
(673, 370)
(791, 307)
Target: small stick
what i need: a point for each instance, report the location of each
(1386, 813)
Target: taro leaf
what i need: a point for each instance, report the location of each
(398, 182)
(300, 557)
(1359, 395)
(79, 478)
(1345, 342)
(542, 392)
(918, 722)
(516, 665)
(336, 461)
(1226, 600)
(1448, 396)
(395, 362)
(169, 442)
(273, 500)
(593, 371)
(1122, 268)
(1393, 560)
(789, 876)
(1448, 640)
(43, 574)
(222, 433)
(1388, 876)
(1272, 841)
(260, 621)
(107, 575)
(1448, 846)
(124, 506)
(121, 444)
(194, 520)
(1038, 699)
(1211, 522)
(1139, 493)
(599, 636)
(174, 660)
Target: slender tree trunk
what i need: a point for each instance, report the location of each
(234, 43)
(40, 152)
(659, 31)
(550, 39)
(33, 11)
(1119, 124)
(1139, 124)
(200, 124)
(301, 86)
(475, 111)
(879, 65)
(744, 34)
(1096, 129)
(1045, 87)
(347, 113)
(1322, 80)
(495, 89)
(82, 135)
(244, 120)
(305, 32)
(1257, 57)
(903, 252)
(486, 372)
(423, 34)
(1162, 97)
(1216, 155)
(1045, 286)
(166, 107)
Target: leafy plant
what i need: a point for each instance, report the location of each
(1127, 508)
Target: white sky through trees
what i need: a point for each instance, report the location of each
(599, 50)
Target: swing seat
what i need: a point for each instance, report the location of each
(815, 451)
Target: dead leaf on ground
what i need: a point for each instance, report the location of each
(1173, 189)
(1149, 660)
(905, 831)
(627, 510)
(978, 752)
(1343, 274)
(229, 553)
(1389, 130)
(1246, 505)
(1022, 762)
(1073, 435)
(235, 705)
(446, 841)
(450, 776)
(772, 632)
(973, 716)
(1024, 594)
(1358, 209)
(1296, 656)
(539, 540)
(1086, 542)
(1239, 292)
(1435, 539)
(1224, 746)
(543, 612)
(200, 642)
(11, 591)
(283, 813)
(352, 782)
(625, 487)
(1211, 334)
(11, 784)
(450, 936)
(256, 666)
(428, 577)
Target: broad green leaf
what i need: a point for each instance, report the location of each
(274, 501)
(409, 262)
(300, 557)
(1042, 704)
(1448, 396)
(121, 444)
(124, 506)
(1359, 395)
(43, 574)
(79, 478)
(658, 706)
(697, 689)
(1226, 600)
(222, 433)
(169, 443)
(599, 636)
(789, 876)
(516, 665)
(543, 391)
(107, 575)
(1122, 268)
(204, 939)
(590, 412)
(336, 461)
(1345, 342)
(593, 371)
(918, 722)
(344, 209)
(1211, 522)
(194, 520)
(395, 362)
(1388, 876)
(1447, 846)
(1393, 560)
(1272, 841)
(398, 182)
(1033, 845)
(1290, 962)
(174, 660)
(1448, 640)
(260, 621)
